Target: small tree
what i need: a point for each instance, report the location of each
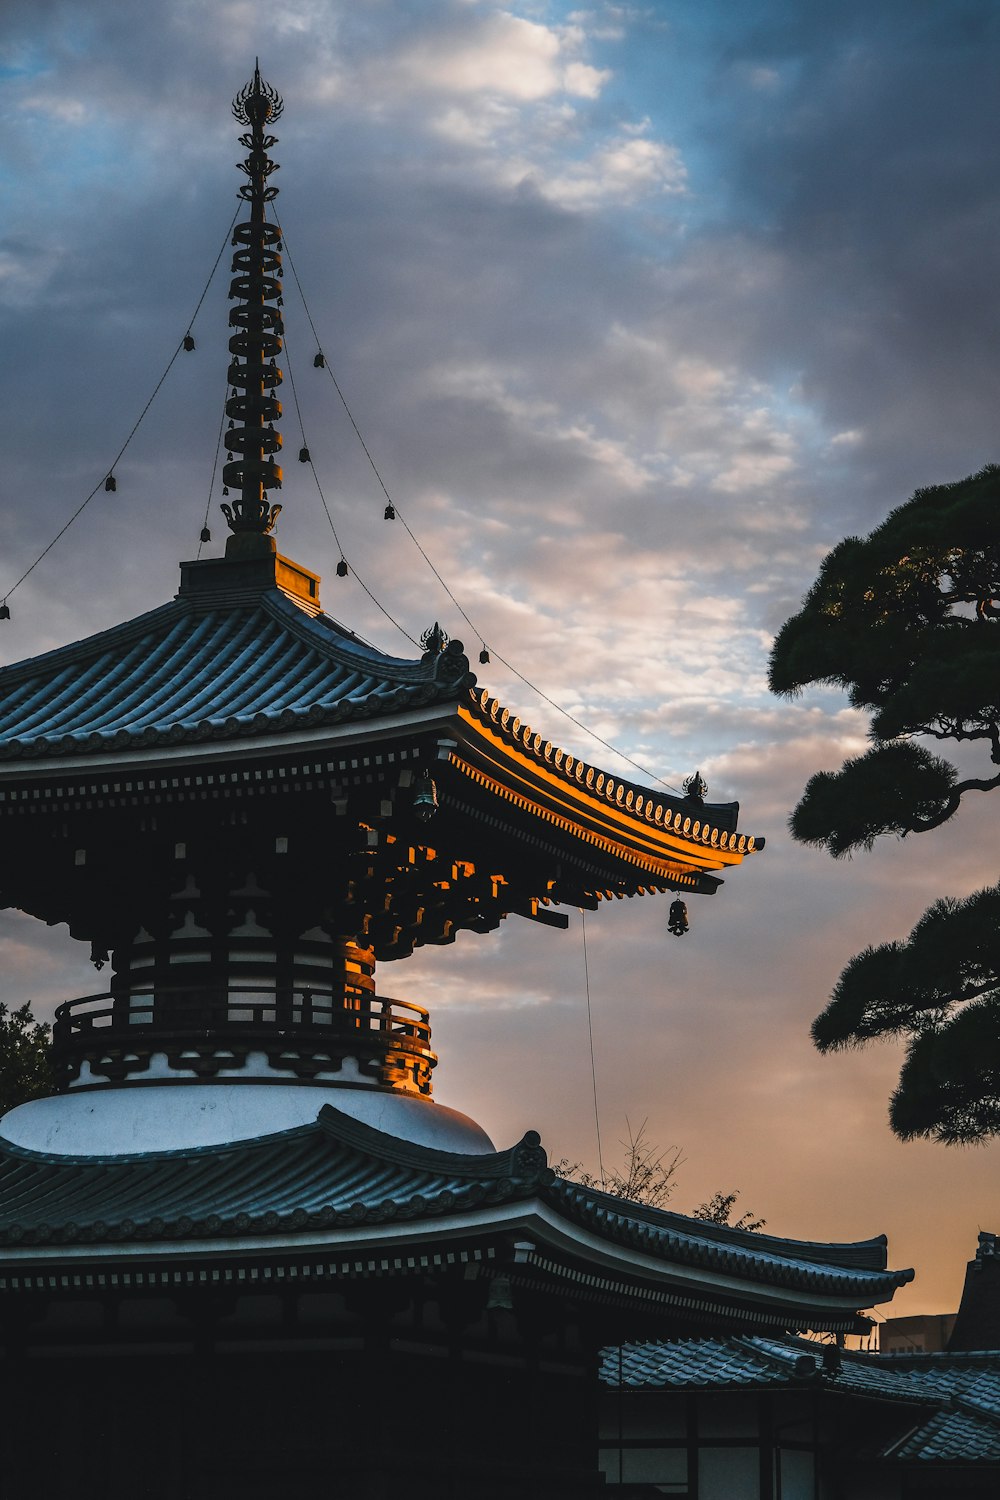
(719, 1210)
(647, 1176)
(906, 620)
(24, 1059)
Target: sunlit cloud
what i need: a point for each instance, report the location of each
(497, 53)
(639, 314)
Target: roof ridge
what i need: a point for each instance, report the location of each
(30, 1158)
(863, 1255)
(741, 1254)
(346, 648)
(786, 1364)
(123, 633)
(638, 799)
(323, 677)
(962, 1401)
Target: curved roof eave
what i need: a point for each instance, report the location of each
(183, 675)
(340, 1183)
(238, 669)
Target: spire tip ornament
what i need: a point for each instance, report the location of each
(257, 101)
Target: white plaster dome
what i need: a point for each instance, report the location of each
(183, 1116)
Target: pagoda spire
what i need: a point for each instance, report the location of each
(253, 409)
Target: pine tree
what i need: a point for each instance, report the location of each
(906, 621)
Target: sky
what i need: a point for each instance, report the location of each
(640, 308)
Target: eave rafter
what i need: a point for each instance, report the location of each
(657, 871)
(665, 837)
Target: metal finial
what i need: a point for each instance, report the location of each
(246, 107)
(695, 787)
(253, 374)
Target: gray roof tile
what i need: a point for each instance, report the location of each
(188, 672)
(955, 1397)
(339, 1171)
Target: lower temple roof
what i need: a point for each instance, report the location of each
(954, 1398)
(341, 1183)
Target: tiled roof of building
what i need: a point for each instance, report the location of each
(337, 1170)
(966, 1431)
(339, 1173)
(955, 1398)
(200, 668)
(239, 664)
(766, 1258)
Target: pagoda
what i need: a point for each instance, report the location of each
(242, 1248)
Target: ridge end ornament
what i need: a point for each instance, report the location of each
(434, 640)
(695, 787)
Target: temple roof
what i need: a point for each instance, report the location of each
(341, 1183)
(242, 667)
(954, 1397)
(222, 663)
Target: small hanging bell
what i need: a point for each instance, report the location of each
(111, 484)
(225, 489)
(318, 360)
(484, 657)
(677, 918)
(303, 455)
(4, 611)
(342, 568)
(390, 512)
(188, 342)
(206, 535)
(425, 798)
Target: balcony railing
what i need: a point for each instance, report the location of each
(300, 1023)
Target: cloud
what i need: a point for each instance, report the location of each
(622, 171)
(638, 319)
(497, 53)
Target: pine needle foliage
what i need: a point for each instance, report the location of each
(907, 622)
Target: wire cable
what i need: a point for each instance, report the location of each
(215, 469)
(138, 422)
(636, 765)
(580, 724)
(305, 446)
(593, 1062)
(343, 556)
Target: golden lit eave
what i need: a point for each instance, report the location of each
(667, 838)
